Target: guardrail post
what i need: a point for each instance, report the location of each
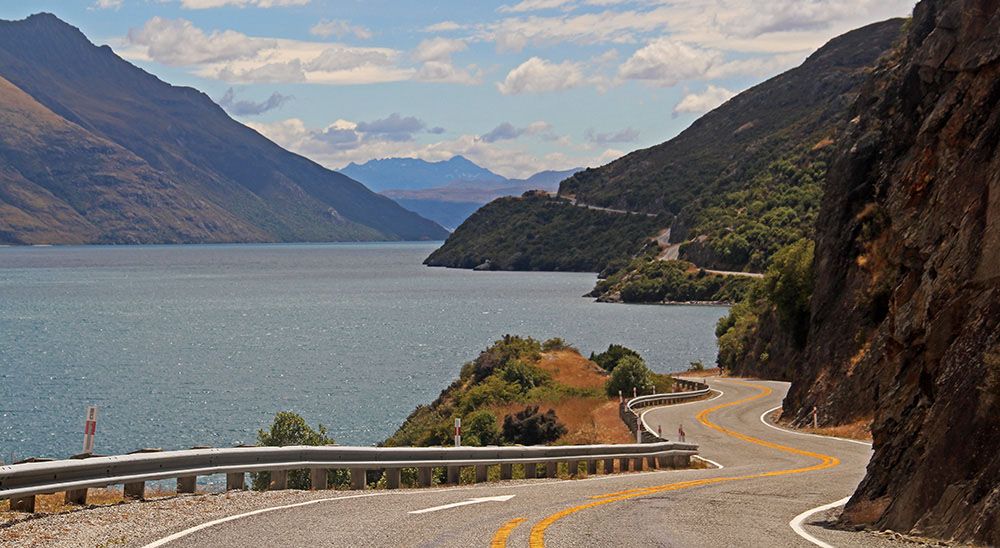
(591, 467)
(135, 490)
(318, 479)
(235, 481)
(530, 471)
(279, 480)
(637, 464)
(623, 464)
(392, 478)
(23, 504)
(651, 462)
(187, 484)
(506, 471)
(425, 476)
(609, 466)
(664, 461)
(551, 469)
(358, 479)
(76, 496)
(454, 475)
(682, 461)
(482, 473)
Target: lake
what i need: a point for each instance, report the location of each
(200, 345)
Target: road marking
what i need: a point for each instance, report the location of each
(537, 536)
(796, 523)
(479, 500)
(709, 461)
(763, 419)
(642, 417)
(503, 533)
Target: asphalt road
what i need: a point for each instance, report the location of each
(769, 477)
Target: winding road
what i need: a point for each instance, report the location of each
(768, 477)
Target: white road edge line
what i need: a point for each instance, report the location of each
(709, 461)
(796, 523)
(480, 500)
(763, 419)
(642, 417)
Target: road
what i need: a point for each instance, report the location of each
(769, 477)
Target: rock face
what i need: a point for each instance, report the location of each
(905, 320)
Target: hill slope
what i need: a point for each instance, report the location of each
(742, 181)
(236, 185)
(413, 173)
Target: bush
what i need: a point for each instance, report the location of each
(697, 365)
(493, 390)
(509, 348)
(480, 428)
(789, 283)
(289, 429)
(529, 427)
(556, 343)
(525, 375)
(630, 373)
(609, 359)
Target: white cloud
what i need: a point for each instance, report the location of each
(339, 28)
(667, 62)
(437, 66)
(438, 49)
(627, 135)
(709, 99)
(537, 75)
(107, 4)
(178, 42)
(208, 4)
(443, 26)
(535, 5)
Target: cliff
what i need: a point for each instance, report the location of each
(905, 322)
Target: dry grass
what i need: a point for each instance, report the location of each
(859, 430)
(569, 368)
(713, 372)
(55, 503)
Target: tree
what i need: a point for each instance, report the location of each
(480, 428)
(630, 373)
(789, 284)
(609, 359)
(529, 427)
(289, 429)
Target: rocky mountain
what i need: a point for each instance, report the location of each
(735, 187)
(96, 150)
(413, 173)
(904, 319)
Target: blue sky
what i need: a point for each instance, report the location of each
(517, 87)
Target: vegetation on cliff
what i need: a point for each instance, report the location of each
(656, 281)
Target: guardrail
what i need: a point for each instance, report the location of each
(22, 482)
(628, 413)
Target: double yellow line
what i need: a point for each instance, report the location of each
(537, 537)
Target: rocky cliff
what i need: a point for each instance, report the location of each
(905, 323)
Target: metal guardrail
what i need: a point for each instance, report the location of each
(21, 482)
(632, 418)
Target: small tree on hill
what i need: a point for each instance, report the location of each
(630, 373)
(289, 429)
(610, 358)
(529, 427)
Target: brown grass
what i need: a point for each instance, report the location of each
(860, 430)
(569, 368)
(54, 504)
(713, 372)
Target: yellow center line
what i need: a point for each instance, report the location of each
(537, 537)
(500, 539)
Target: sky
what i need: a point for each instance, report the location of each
(517, 87)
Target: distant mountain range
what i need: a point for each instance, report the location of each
(448, 191)
(96, 150)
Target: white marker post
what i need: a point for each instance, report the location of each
(458, 432)
(815, 418)
(89, 429)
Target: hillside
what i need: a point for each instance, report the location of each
(903, 325)
(742, 181)
(141, 161)
(413, 173)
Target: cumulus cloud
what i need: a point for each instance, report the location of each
(251, 108)
(106, 4)
(178, 42)
(437, 65)
(438, 49)
(703, 102)
(538, 75)
(339, 28)
(268, 73)
(207, 4)
(507, 131)
(535, 5)
(393, 128)
(627, 135)
(667, 62)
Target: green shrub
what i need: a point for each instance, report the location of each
(289, 429)
(609, 359)
(789, 283)
(556, 343)
(529, 427)
(525, 375)
(631, 372)
(697, 365)
(480, 428)
(492, 391)
(509, 348)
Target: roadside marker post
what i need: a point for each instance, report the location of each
(815, 419)
(621, 398)
(458, 432)
(89, 430)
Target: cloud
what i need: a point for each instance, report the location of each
(207, 4)
(627, 135)
(178, 42)
(667, 62)
(339, 28)
(443, 26)
(438, 49)
(507, 131)
(703, 102)
(346, 58)
(251, 108)
(270, 73)
(106, 4)
(535, 5)
(537, 75)
(437, 66)
(393, 128)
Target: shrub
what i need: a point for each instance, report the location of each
(289, 429)
(529, 427)
(697, 365)
(609, 359)
(630, 373)
(789, 283)
(480, 428)
(493, 390)
(509, 348)
(556, 343)
(525, 375)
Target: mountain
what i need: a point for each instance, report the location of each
(736, 186)
(96, 150)
(904, 318)
(412, 173)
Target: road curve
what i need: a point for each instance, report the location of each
(769, 477)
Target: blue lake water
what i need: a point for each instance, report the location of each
(201, 345)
